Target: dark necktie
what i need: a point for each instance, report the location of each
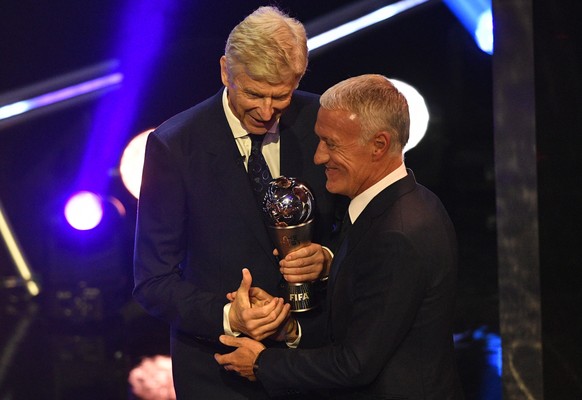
(343, 247)
(346, 224)
(258, 170)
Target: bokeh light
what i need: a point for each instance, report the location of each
(84, 210)
(131, 164)
(419, 115)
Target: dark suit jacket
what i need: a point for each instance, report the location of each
(199, 225)
(391, 308)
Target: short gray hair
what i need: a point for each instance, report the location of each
(267, 45)
(377, 103)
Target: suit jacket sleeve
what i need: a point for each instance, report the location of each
(382, 313)
(378, 294)
(161, 247)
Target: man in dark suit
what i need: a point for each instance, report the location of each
(199, 223)
(392, 283)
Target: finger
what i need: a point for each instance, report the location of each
(251, 319)
(221, 359)
(230, 340)
(260, 295)
(257, 314)
(300, 268)
(273, 327)
(270, 325)
(247, 280)
(303, 252)
(265, 323)
(243, 290)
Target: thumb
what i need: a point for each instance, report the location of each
(230, 341)
(245, 286)
(247, 280)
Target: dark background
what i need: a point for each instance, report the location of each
(80, 338)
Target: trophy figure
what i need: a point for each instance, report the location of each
(289, 206)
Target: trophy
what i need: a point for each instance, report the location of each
(289, 206)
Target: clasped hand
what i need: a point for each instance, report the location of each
(306, 264)
(259, 315)
(255, 312)
(243, 358)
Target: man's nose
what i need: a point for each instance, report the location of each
(266, 109)
(321, 156)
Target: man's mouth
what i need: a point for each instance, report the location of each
(259, 121)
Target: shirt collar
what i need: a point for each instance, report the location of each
(359, 203)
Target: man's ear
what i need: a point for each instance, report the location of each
(381, 142)
(223, 71)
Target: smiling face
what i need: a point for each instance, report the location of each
(257, 104)
(349, 164)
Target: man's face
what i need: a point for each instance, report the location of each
(348, 163)
(256, 104)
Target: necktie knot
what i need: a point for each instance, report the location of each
(257, 140)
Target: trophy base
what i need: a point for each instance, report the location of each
(301, 296)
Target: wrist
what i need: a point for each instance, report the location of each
(292, 330)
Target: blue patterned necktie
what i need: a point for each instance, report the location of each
(258, 170)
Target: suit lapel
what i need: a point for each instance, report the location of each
(377, 206)
(231, 176)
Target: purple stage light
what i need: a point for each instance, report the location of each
(84, 211)
(57, 96)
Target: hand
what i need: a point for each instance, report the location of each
(257, 296)
(261, 319)
(306, 264)
(243, 358)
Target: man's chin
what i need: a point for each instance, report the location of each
(331, 187)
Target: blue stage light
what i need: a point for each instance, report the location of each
(477, 18)
(484, 32)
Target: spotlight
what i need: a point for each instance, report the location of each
(418, 111)
(131, 164)
(484, 32)
(84, 211)
(477, 18)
